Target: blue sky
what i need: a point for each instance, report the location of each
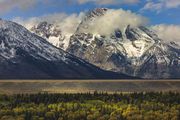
(157, 11)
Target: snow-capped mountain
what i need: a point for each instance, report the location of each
(24, 55)
(133, 50)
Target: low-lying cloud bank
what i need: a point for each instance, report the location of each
(103, 25)
(115, 19)
(168, 32)
(67, 23)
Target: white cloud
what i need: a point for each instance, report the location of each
(108, 2)
(168, 32)
(67, 23)
(104, 25)
(112, 20)
(159, 5)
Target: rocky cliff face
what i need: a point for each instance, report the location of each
(133, 50)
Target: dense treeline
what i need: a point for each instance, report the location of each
(96, 106)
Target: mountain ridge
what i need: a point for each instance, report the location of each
(25, 55)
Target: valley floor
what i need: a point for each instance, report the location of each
(84, 86)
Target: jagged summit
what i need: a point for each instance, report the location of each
(90, 17)
(51, 32)
(95, 13)
(47, 30)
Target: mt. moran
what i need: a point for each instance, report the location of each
(130, 49)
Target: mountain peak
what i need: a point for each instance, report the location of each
(95, 13)
(52, 33)
(46, 30)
